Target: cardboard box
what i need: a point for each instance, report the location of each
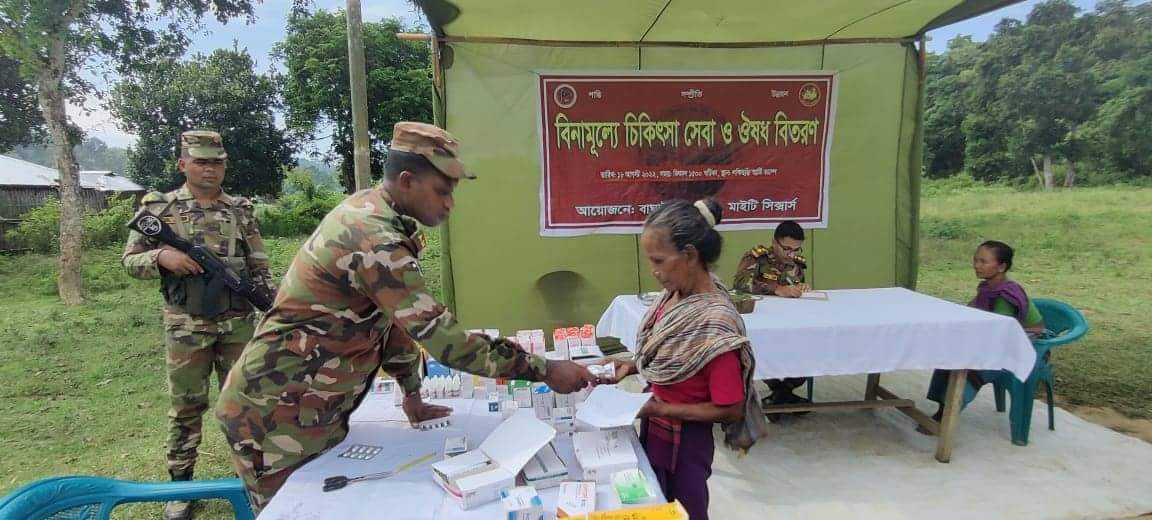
(576, 499)
(546, 469)
(454, 446)
(522, 503)
(588, 335)
(523, 396)
(543, 400)
(602, 453)
(564, 419)
(476, 477)
(565, 400)
(672, 511)
(384, 385)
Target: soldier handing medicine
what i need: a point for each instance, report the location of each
(352, 301)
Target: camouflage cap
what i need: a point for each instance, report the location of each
(203, 144)
(434, 143)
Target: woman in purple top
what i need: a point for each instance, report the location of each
(995, 293)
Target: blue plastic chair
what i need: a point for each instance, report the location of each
(93, 498)
(1067, 325)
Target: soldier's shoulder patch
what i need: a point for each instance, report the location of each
(242, 202)
(153, 197)
(169, 219)
(759, 251)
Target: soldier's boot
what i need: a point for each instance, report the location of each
(179, 509)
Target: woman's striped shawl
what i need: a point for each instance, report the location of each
(690, 335)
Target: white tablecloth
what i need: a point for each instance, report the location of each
(861, 331)
(412, 494)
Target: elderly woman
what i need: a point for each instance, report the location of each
(693, 352)
(995, 293)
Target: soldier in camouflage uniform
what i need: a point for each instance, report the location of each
(352, 302)
(204, 329)
(777, 271)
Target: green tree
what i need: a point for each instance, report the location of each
(1031, 92)
(316, 93)
(1057, 88)
(52, 39)
(1119, 136)
(220, 92)
(944, 108)
(20, 121)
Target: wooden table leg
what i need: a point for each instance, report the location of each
(952, 401)
(873, 384)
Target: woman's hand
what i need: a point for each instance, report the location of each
(623, 369)
(653, 408)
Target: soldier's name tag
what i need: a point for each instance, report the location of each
(360, 452)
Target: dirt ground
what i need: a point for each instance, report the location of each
(1111, 419)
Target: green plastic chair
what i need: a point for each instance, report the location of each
(93, 498)
(1067, 325)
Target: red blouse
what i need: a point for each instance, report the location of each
(720, 381)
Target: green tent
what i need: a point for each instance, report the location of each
(499, 271)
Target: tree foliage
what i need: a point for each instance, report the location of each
(20, 120)
(220, 92)
(1058, 87)
(317, 96)
(52, 40)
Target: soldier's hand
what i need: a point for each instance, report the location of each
(789, 291)
(178, 262)
(567, 377)
(418, 411)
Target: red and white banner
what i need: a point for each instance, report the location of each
(615, 146)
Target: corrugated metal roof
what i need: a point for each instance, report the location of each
(16, 172)
(107, 181)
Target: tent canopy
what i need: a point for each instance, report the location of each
(729, 21)
(499, 272)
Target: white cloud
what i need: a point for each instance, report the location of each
(97, 121)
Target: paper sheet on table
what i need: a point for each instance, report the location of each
(610, 407)
(383, 410)
(814, 295)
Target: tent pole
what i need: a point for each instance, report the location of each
(358, 83)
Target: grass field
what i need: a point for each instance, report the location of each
(1091, 247)
(84, 389)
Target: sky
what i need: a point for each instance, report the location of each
(271, 15)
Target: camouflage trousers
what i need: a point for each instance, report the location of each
(262, 483)
(196, 348)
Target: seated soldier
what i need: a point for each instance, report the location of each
(777, 271)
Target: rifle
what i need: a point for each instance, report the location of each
(151, 226)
